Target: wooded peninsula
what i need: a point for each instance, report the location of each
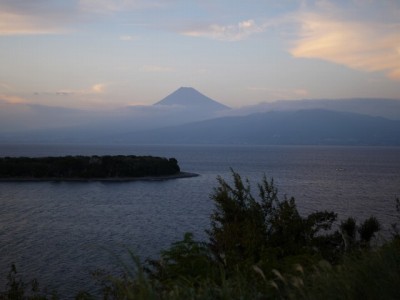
(107, 167)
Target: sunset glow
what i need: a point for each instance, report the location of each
(106, 53)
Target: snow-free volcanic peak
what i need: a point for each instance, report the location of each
(190, 97)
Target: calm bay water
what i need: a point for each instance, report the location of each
(58, 232)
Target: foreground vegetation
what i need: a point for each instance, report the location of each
(70, 167)
(258, 248)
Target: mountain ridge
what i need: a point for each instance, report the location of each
(303, 127)
(388, 108)
(196, 116)
(190, 97)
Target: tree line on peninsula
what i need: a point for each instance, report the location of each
(86, 167)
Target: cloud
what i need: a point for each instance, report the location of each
(98, 88)
(127, 38)
(112, 6)
(37, 17)
(230, 33)
(49, 17)
(100, 6)
(18, 24)
(282, 93)
(6, 86)
(363, 45)
(12, 99)
(156, 69)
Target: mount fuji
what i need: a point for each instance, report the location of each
(189, 97)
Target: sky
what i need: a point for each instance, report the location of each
(101, 54)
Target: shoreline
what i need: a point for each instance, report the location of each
(109, 179)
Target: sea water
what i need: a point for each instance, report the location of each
(59, 232)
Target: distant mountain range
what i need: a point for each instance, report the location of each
(303, 127)
(182, 106)
(387, 108)
(188, 117)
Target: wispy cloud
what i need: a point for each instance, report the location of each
(235, 32)
(127, 38)
(279, 93)
(39, 17)
(6, 86)
(112, 6)
(46, 17)
(99, 6)
(358, 44)
(95, 95)
(19, 24)
(156, 69)
(12, 99)
(98, 88)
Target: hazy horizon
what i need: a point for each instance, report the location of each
(184, 106)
